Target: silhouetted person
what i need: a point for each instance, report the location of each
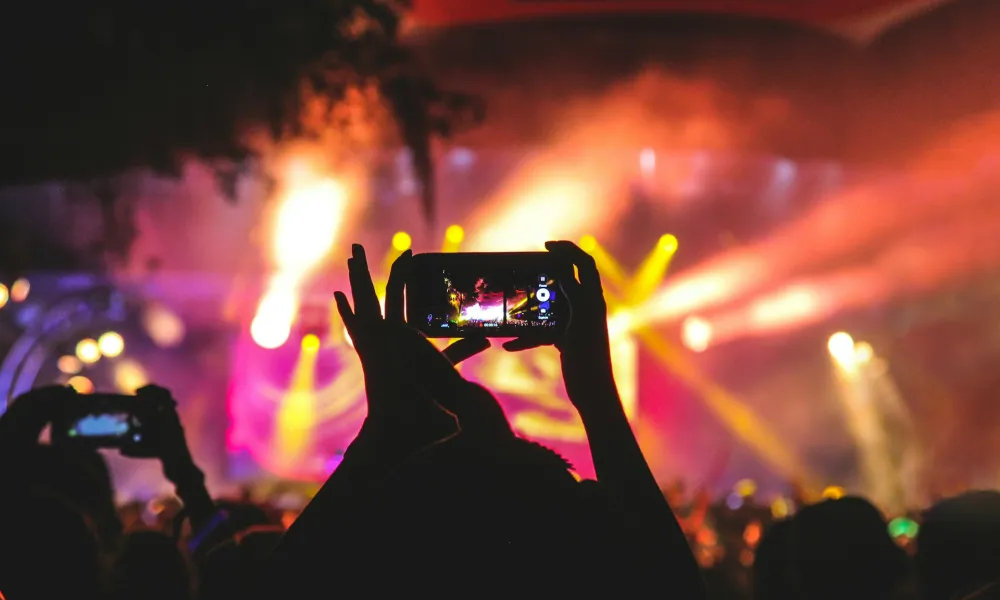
(771, 563)
(48, 549)
(958, 547)
(437, 488)
(842, 549)
(150, 566)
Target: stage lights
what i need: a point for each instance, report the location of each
(454, 234)
(111, 344)
(88, 351)
(401, 242)
(81, 384)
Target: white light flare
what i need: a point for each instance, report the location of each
(307, 224)
(272, 325)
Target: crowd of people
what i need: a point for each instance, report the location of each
(437, 494)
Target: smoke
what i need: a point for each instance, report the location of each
(579, 179)
(929, 228)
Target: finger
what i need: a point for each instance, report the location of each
(366, 304)
(465, 349)
(394, 308)
(522, 344)
(344, 308)
(585, 264)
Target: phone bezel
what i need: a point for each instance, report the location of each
(426, 265)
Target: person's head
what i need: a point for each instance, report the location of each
(770, 565)
(80, 477)
(457, 504)
(842, 549)
(51, 550)
(151, 566)
(958, 547)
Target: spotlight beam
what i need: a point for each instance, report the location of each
(734, 414)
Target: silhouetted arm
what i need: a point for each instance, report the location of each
(585, 352)
(623, 471)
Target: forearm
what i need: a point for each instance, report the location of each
(622, 469)
(189, 486)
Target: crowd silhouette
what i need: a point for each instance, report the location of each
(438, 495)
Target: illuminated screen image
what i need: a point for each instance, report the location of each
(103, 425)
(467, 301)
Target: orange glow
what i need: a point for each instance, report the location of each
(19, 290)
(81, 384)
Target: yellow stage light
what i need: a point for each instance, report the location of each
(454, 234)
(310, 343)
(401, 242)
(111, 344)
(88, 351)
(668, 243)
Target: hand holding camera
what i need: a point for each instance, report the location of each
(141, 426)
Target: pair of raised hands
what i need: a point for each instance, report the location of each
(417, 397)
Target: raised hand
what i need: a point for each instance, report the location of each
(408, 381)
(585, 349)
(29, 414)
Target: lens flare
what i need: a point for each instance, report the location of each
(111, 344)
(307, 223)
(88, 351)
(841, 348)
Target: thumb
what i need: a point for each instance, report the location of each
(522, 344)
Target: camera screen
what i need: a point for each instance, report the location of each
(493, 301)
(107, 425)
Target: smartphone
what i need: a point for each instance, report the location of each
(103, 421)
(504, 295)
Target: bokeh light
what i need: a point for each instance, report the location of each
(401, 242)
(88, 351)
(310, 343)
(745, 487)
(454, 234)
(111, 344)
(696, 333)
(4, 295)
(163, 326)
(19, 290)
(69, 365)
(130, 376)
(81, 384)
(841, 347)
(863, 353)
(668, 243)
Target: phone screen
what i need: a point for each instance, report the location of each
(494, 295)
(105, 428)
